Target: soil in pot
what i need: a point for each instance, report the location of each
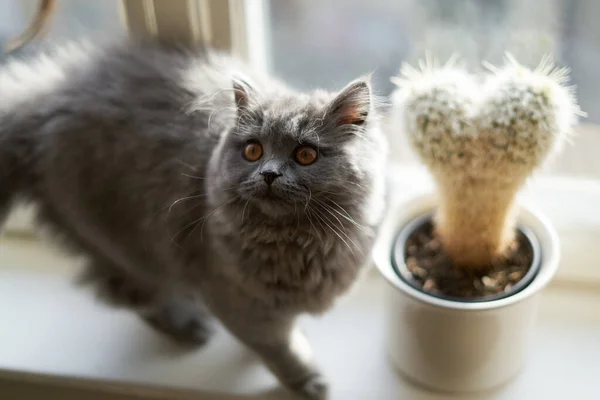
(433, 272)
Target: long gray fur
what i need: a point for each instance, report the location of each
(132, 153)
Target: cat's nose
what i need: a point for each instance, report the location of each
(270, 176)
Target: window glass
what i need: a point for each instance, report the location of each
(327, 43)
(71, 19)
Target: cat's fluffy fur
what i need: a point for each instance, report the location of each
(133, 153)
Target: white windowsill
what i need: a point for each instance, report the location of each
(58, 336)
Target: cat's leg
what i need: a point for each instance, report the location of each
(292, 362)
(179, 315)
(283, 348)
(183, 318)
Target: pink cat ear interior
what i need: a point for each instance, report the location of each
(352, 105)
(240, 90)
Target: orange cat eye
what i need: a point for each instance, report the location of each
(306, 155)
(253, 151)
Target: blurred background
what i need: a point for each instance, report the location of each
(72, 19)
(327, 43)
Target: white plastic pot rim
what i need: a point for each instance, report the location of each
(402, 213)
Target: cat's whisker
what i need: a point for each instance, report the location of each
(309, 197)
(336, 232)
(168, 207)
(355, 184)
(192, 176)
(343, 184)
(344, 214)
(308, 216)
(212, 114)
(323, 230)
(320, 204)
(190, 166)
(206, 103)
(237, 198)
(297, 213)
(196, 221)
(339, 229)
(244, 210)
(189, 210)
(184, 199)
(342, 230)
(195, 197)
(328, 222)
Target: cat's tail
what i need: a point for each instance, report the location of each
(26, 87)
(9, 181)
(16, 155)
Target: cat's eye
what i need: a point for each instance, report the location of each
(306, 155)
(253, 151)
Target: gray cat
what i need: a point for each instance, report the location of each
(197, 189)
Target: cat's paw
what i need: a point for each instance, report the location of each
(189, 329)
(315, 387)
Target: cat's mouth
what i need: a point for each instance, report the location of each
(272, 202)
(271, 196)
(269, 193)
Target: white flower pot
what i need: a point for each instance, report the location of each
(457, 346)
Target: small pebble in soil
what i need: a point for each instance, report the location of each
(412, 263)
(435, 273)
(499, 276)
(433, 245)
(429, 285)
(488, 282)
(420, 272)
(515, 276)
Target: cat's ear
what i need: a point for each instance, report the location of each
(352, 105)
(242, 92)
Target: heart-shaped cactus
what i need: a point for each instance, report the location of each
(482, 137)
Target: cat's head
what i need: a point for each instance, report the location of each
(288, 151)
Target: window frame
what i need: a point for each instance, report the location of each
(224, 25)
(221, 24)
